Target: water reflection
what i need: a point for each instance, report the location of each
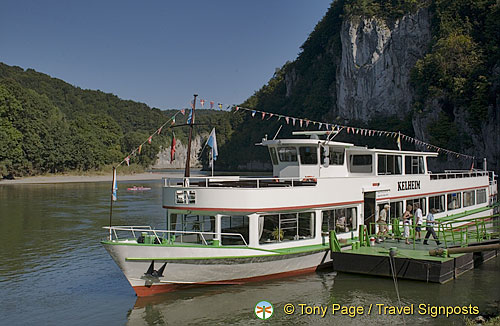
(235, 304)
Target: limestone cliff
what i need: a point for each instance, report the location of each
(374, 73)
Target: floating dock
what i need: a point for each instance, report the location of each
(409, 263)
(414, 261)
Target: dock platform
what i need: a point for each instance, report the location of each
(410, 261)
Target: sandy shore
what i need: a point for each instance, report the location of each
(97, 178)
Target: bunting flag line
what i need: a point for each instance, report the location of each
(138, 149)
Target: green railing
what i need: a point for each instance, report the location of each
(451, 232)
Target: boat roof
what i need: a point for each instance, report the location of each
(352, 147)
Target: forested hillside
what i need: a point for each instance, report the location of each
(48, 125)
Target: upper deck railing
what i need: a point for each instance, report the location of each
(456, 174)
(238, 182)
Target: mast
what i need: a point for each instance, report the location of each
(188, 158)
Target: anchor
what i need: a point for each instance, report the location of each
(152, 275)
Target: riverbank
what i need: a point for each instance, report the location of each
(97, 178)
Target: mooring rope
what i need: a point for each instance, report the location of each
(395, 280)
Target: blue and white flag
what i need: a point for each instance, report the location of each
(190, 117)
(115, 185)
(212, 142)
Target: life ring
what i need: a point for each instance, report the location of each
(309, 178)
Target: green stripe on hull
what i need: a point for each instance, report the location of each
(228, 260)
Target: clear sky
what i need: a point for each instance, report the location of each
(158, 52)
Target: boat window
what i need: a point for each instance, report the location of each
(361, 164)
(437, 202)
(341, 220)
(195, 224)
(422, 201)
(308, 155)
(454, 200)
(469, 198)
(414, 164)
(389, 164)
(274, 157)
(286, 227)
(396, 209)
(234, 224)
(287, 154)
(481, 196)
(335, 156)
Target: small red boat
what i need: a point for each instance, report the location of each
(134, 188)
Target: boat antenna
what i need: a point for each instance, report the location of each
(277, 132)
(188, 159)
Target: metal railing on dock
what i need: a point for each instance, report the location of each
(456, 232)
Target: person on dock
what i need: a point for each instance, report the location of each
(419, 216)
(430, 227)
(407, 216)
(382, 223)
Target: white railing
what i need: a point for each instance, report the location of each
(238, 182)
(160, 234)
(457, 174)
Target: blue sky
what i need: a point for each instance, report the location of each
(158, 52)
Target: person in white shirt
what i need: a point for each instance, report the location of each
(419, 221)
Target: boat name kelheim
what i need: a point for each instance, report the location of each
(408, 185)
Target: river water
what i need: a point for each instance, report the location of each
(54, 271)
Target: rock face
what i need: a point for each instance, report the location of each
(374, 73)
(163, 161)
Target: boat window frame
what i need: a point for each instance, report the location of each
(288, 149)
(470, 197)
(414, 164)
(397, 164)
(336, 155)
(274, 155)
(332, 216)
(479, 200)
(312, 155)
(285, 222)
(441, 199)
(458, 200)
(352, 159)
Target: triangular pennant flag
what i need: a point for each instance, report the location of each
(237, 108)
(140, 148)
(212, 104)
(320, 125)
(293, 121)
(149, 139)
(263, 115)
(127, 159)
(286, 119)
(183, 111)
(202, 102)
(159, 130)
(172, 123)
(220, 105)
(300, 122)
(253, 113)
(307, 123)
(172, 149)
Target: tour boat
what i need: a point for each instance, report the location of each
(231, 229)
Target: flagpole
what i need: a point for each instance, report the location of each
(212, 158)
(111, 205)
(188, 159)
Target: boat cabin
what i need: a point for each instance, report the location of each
(315, 158)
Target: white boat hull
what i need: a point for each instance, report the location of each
(207, 265)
